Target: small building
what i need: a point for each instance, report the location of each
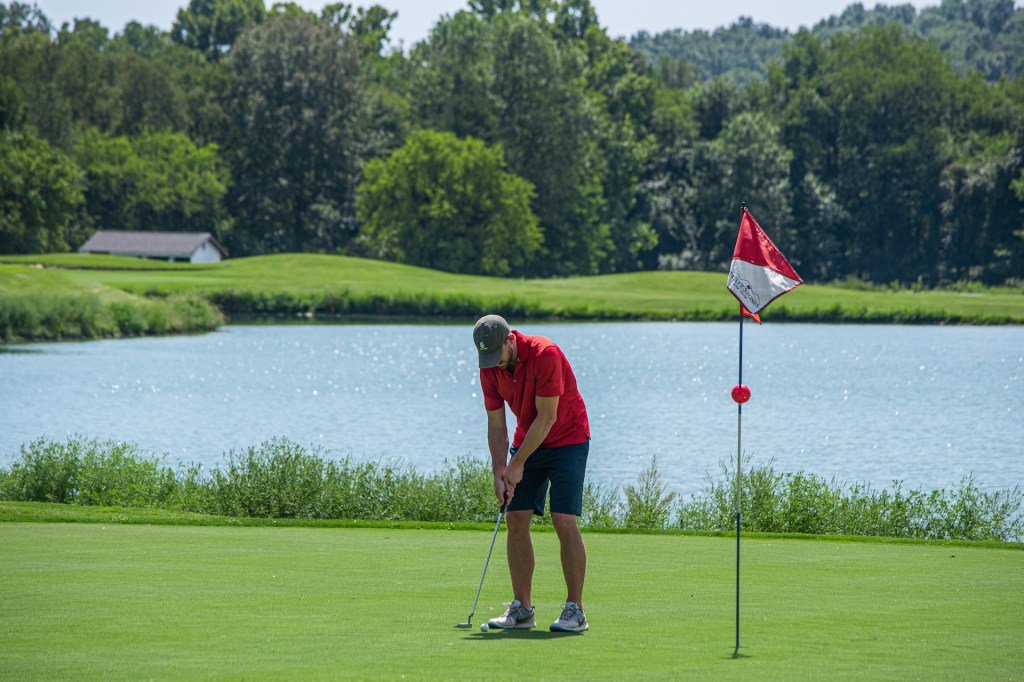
(194, 247)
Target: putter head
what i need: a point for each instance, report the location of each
(464, 626)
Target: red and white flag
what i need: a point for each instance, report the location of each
(759, 273)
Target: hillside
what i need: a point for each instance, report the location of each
(987, 37)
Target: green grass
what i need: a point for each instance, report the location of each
(42, 304)
(325, 285)
(26, 280)
(119, 601)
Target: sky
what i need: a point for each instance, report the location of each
(622, 18)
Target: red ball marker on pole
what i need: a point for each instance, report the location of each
(740, 394)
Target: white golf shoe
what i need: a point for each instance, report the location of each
(516, 616)
(572, 619)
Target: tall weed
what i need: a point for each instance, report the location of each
(648, 504)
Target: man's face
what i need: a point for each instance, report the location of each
(508, 355)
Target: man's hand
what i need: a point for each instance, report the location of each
(501, 490)
(513, 475)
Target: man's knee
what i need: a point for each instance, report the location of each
(519, 521)
(565, 524)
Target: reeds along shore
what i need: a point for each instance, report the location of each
(282, 479)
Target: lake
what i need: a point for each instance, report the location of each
(860, 403)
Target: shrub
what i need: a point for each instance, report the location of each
(46, 472)
(88, 472)
(276, 479)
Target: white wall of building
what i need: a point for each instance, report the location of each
(206, 253)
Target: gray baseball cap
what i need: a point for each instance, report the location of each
(489, 336)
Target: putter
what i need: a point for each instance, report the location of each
(469, 620)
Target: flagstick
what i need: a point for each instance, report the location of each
(754, 259)
(739, 465)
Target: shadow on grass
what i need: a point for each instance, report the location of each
(523, 633)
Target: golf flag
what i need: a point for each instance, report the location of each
(759, 273)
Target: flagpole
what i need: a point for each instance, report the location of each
(759, 274)
(739, 479)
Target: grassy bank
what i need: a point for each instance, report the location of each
(39, 304)
(282, 480)
(337, 286)
(114, 601)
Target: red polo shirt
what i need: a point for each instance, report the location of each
(542, 371)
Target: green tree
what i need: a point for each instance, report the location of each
(155, 181)
(213, 26)
(894, 96)
(739, 51)
(178, 88)
(12, 109)
(153, 43)
(869, 117)
(981, 236)
(454, 79)
(370, 26)
(20, 17)
(623, 94)
(747, 163)
(449, 204)
(809, 122)
(87, 33)
(120, 93)
(40, 191)
(662, 189)
(297, 136)
(507, 80)
(31, 60)
(384, 73)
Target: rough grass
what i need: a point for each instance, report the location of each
(114, 601)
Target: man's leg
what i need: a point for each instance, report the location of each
(520, 554)
(574, 555)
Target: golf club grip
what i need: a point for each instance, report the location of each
(502, 511)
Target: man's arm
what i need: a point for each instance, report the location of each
(547, 415)
(497, 443)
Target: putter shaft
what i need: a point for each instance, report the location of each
(497, 524)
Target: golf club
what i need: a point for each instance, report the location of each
(469, 620)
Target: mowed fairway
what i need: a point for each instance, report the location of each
(92, 601)
(656, 295)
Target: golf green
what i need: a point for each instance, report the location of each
(95, 601)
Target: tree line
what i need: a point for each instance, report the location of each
(977, 35)
(518, 139)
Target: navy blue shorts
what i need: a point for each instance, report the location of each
(562, 470)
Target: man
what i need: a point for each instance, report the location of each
(549, 449)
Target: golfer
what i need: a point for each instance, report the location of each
(549, 449)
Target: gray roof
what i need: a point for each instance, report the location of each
(156, 244)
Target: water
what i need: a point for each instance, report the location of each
(871, 404)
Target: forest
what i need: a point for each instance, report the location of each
(519, 139)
